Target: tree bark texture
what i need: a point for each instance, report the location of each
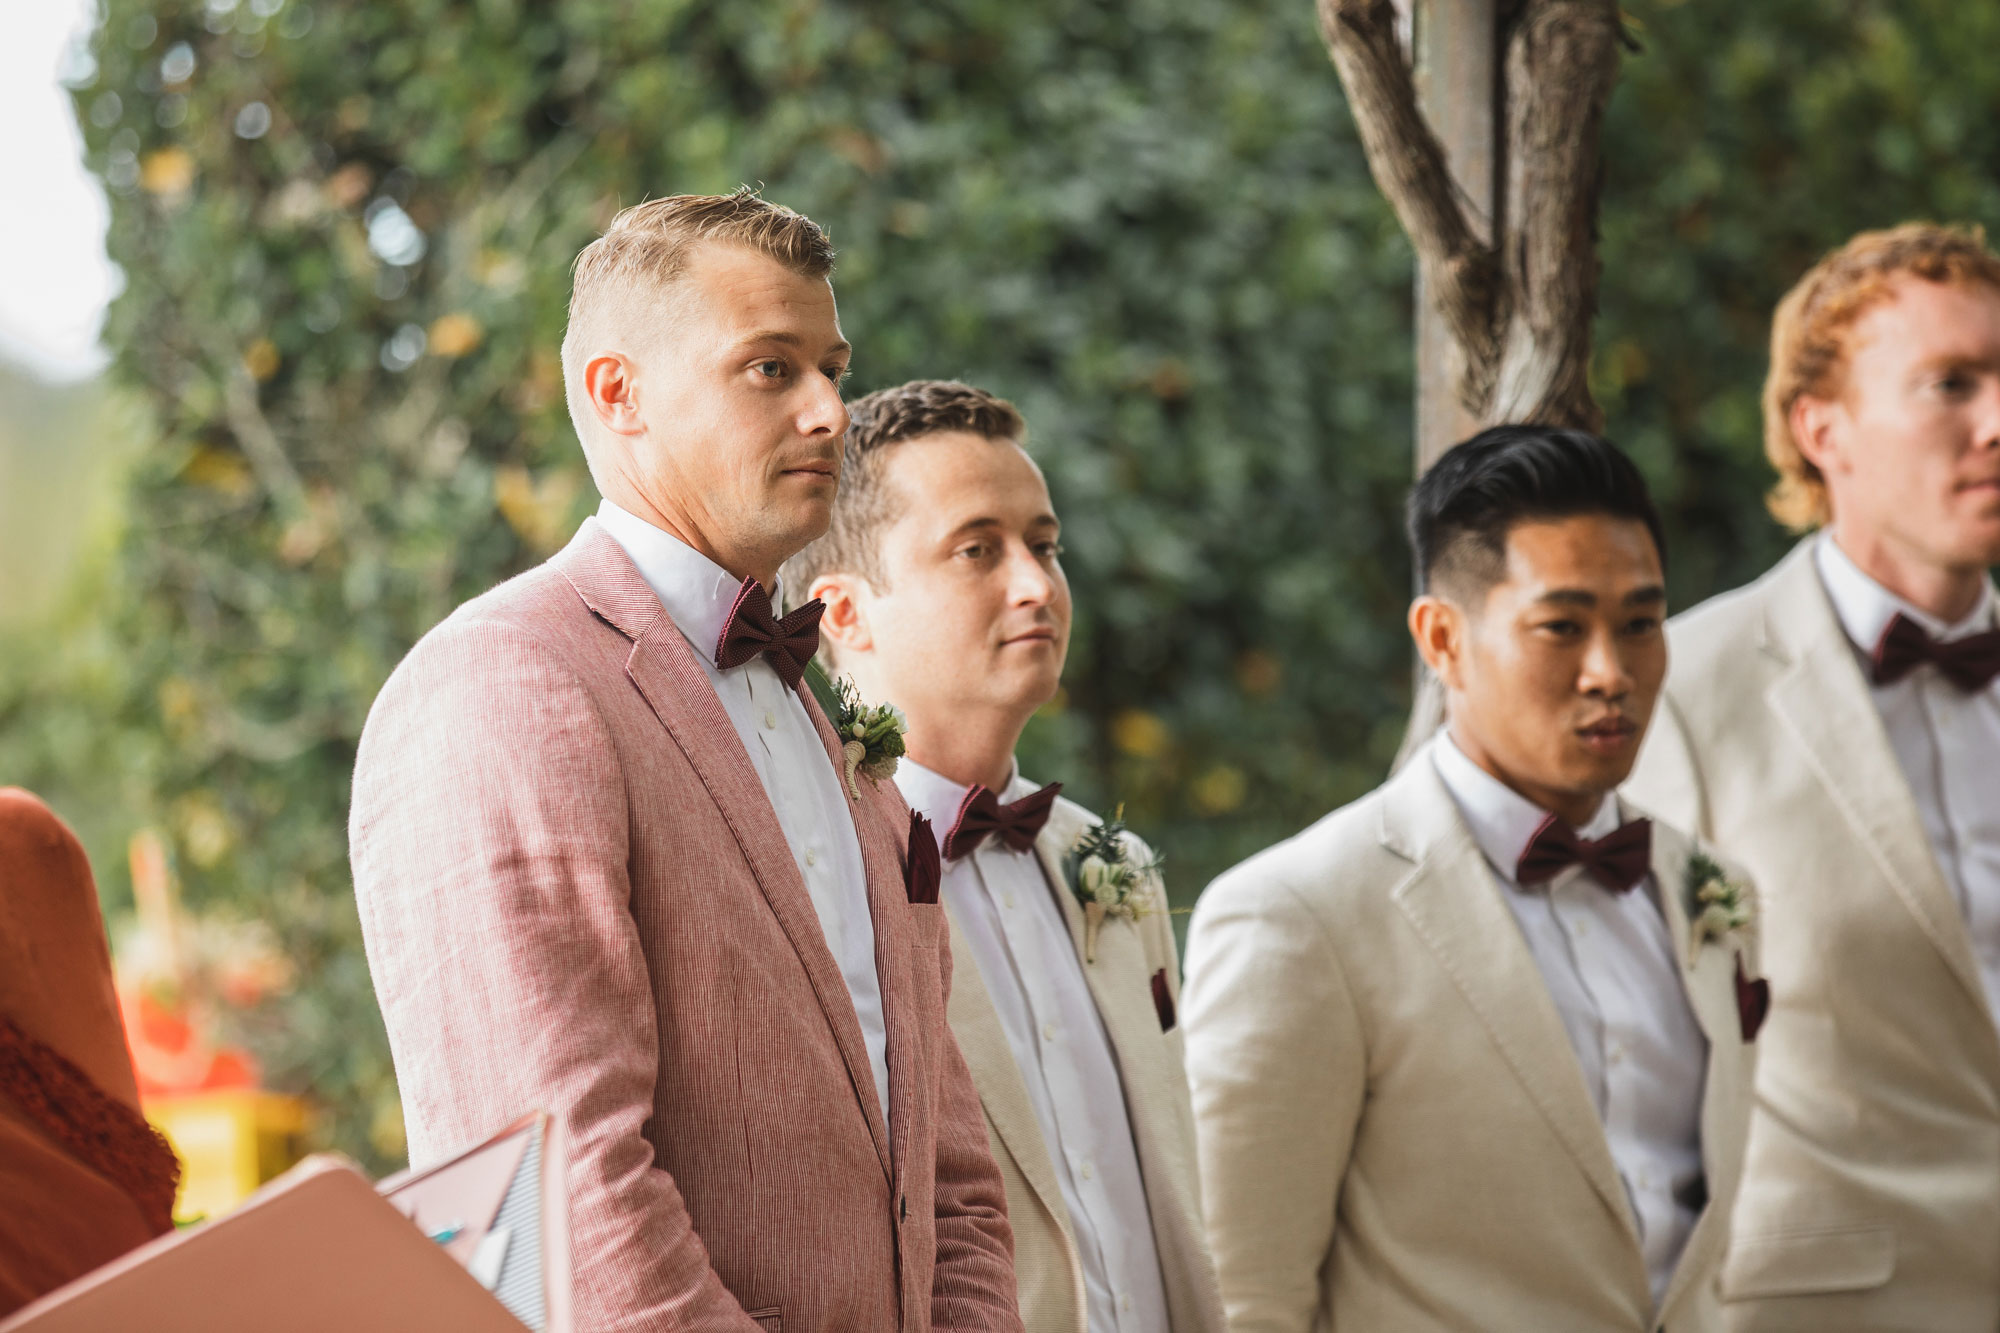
(1518, 293)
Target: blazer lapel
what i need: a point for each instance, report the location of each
(1157, 1108)
(1452, 901)
(662, 666)
(1708, 974)
(881, 825)
(1003, 1094)
(1823, 703)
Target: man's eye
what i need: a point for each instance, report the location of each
(1642, 625)
(1049, 550)
(972, 552)
(838, 374)
(1562, 628)
(771, 370)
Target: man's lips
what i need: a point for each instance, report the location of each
(1609, 731)
(1040, 634)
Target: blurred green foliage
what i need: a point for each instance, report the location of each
(347, 228)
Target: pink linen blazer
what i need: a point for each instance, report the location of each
(576, 896)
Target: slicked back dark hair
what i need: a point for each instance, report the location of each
(1462, 509)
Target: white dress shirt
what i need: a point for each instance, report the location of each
(1020, 941)
(1947, 741)
(789, 757)
(1609, 965)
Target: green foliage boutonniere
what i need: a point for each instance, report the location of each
(1717, 907)
(1109, 879)
(871, 735)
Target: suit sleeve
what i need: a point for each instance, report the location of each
(1278, 1074)
(489, 842)
(973, 1286)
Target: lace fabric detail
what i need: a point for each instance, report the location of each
(97, 1129)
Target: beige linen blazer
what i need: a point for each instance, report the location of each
(1871, 1195)
(1395, 1132)
(1129, 954)
(576, 897)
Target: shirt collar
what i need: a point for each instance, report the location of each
(1502, 820)
(937, 797)
(1865, 607)
(697, 592)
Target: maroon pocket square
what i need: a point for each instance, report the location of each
(922, 868)
(1753, 1001)
(1163, 1001)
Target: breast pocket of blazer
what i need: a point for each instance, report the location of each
(926, 925)
(1808, 1261)
(772, 1320)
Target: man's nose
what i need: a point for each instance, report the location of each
(824, 413)
(1605, 673)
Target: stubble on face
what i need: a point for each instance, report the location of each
(974, 615)
(739, 380)
(1563, 661)
(1915, 472)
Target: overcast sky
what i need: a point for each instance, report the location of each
(54, 277)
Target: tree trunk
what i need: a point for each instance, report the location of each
(1511, 279)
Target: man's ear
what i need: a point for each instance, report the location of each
(611, 383)
(1438, 627)
(845, 621)
(1815, 424)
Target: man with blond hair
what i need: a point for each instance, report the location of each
(1835, 728)
(945, 594)
(607, 867)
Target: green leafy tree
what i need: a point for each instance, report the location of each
(346, 229)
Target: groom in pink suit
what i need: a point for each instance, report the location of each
(607, 866)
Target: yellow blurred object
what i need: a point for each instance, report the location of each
(229, 1141)
(1140, 734)
(455, 334)
(167, 171)
(262, 359)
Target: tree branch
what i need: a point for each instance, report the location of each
(1409, 167)
(1562, 59)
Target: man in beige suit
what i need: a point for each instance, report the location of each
(1835, 727)
(945, 596)
(1471, 1054)
(607, 867)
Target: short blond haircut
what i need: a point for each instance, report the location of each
(1809, 337)
(647, 246)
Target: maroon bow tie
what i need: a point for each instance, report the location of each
(752, 629)
(1618, 860)
(1970, 663)
(981, 815)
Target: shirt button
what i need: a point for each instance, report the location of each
(1615, 1053)
(812, 857)
(770, 720)
(1088, 1172)
(1009, 902)
(1125, 1300)
(1582, 926)
(1048, 1032)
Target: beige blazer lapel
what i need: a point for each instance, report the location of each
(1822, 701)
(1452, 902)
(1002, 1093)
(1157, 1107)
(663, 668)
(1708, 974)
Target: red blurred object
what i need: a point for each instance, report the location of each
(169, 1057)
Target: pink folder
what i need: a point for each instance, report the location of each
(478, 1244)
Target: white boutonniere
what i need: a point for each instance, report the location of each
(871, 735)
(1109, 880)
(1717, 906)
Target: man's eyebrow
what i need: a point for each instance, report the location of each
(790, 339)
(988, 521)
(1646, 596)
(1569, 597)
